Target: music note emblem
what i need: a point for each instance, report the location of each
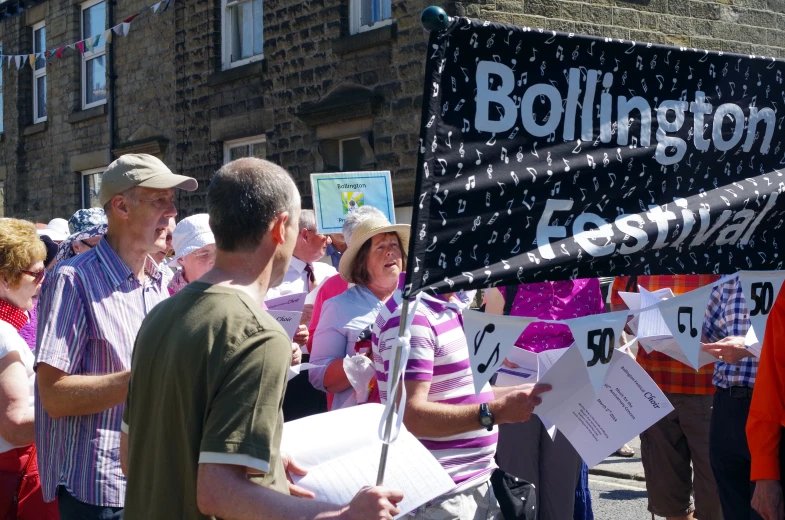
(682, 326)
(478, 339)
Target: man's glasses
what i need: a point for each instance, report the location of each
(38, 276)
(87, 244)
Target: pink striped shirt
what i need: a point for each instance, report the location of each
(439, 354)
(90, 310)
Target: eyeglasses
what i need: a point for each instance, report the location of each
(205, 256)
(87, 244)
(38, 276)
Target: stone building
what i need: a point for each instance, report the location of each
(314, 85)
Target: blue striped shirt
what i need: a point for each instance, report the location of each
(727, 316)
(90, 311)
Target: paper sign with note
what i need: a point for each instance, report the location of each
(596, 337)
(761, 289)
(596, 424)
(490, 338)
(347, 458)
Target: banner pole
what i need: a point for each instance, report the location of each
(393, 377)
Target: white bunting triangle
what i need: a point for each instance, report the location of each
(490, 338)
(156, 6)
(108, 36)
(126, 28)
(597, 337)
(18, 62)
(118, 29)
(684, 317)
(761, 289)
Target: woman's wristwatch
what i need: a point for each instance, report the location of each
(486, 417)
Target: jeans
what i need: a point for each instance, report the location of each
(73, 509)
(730, 455)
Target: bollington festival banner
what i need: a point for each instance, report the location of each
(548, 156)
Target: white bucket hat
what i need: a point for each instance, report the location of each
(57, 229)
(191, 233)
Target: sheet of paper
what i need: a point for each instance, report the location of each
(526, 371)
(596, 425)
(290, 302)
(597, 337)
(289, 320)
(670, 347)
(549, 427)
(295, 370)
(752, 343)
(347, 459)
(684, 316)
(548, 358)
(650, 323)
(760, 291)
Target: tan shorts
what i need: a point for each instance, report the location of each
(476, 503)
(668, 448)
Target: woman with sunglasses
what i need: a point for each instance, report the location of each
(22, 272)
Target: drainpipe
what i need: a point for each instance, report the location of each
(110, 77)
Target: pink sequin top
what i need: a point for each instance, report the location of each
(554, 301)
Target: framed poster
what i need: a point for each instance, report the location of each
(337, 195)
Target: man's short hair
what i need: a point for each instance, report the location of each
(243, 199)
(307, 220)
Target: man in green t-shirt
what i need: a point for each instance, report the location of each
(202, 423)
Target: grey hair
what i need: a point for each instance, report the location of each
(307, 220)
(352, 221)
(243, 199)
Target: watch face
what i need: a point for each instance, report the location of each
(486, 420)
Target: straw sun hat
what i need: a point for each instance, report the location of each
(364, 232)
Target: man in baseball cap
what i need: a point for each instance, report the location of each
(118, 282)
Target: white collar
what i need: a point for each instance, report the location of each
(297, 264)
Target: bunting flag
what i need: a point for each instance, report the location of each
(673, 326)
(88, 44)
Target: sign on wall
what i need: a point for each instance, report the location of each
(337, 195)
(548, 156)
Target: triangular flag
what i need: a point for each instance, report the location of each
(80, 46)
(97, 41)
(684, 317)
(761, 289)
(156, 6)
(118, 29)
(18, 62)
(10, 59)
(31, 59)
(126, 28)
(597, 337)
(130, 18)
(108, 36)
(59, 53)
(490, 338)
(166, 6)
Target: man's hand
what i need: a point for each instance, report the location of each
(373, 503)
(767, 500)
(301, 336)
(518, 404)
(730, 350)
(509, 364)
(297, 355)
(292, 468)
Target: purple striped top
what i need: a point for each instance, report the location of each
(439, 354)
(91, 309)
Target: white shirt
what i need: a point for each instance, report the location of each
(11, 341)
(295, 281)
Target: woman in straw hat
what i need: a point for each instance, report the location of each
(373, 262)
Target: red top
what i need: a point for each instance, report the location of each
(13, 315)
(330, 288)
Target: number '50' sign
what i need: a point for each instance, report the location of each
(763, 296)
(600, 342)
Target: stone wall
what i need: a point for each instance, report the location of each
(316, 84)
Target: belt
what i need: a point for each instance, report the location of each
(738, 391)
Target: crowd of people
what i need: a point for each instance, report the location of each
(141, 376)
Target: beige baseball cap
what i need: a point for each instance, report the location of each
(140, 169)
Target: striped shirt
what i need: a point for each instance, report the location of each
(439, 355)
(727, 316)
(94, 306)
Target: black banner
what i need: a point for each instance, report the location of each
(548, 156)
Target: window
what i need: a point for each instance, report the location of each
(243, 36)
(39, 73)
(91, 187)
(249, 147)
(351, 154)
(94, 59)
(369, 14)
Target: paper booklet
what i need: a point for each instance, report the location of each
(290, 302)
(346, 458)
(289, 320)
(597, 424)
(531, 366)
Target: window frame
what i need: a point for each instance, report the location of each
(38, 73)
(91, 54)
(340, 148)
(82, 175)
(226, 37)
(355, 15)
(245, 141)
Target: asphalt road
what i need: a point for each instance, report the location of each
(618, 499)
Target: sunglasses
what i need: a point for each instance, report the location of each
(88, 245)
(38, 276)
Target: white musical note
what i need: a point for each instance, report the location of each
(479, 158)
(471, 183)
(556, 188)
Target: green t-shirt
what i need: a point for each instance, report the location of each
(208, 376)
